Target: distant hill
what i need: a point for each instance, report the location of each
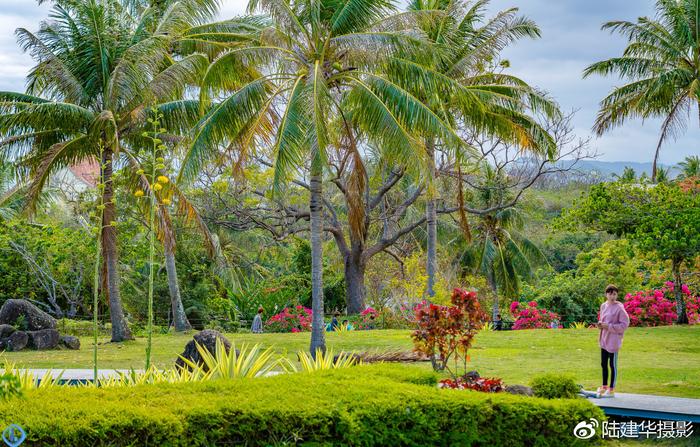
(608, 168)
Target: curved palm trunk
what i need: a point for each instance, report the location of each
(318, 330)
(431, 217)
(120, 328)
(654, 166)
(179, 317)
(680, 303)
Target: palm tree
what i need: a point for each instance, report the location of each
(499, 250)
(663, 175)
(629, 175)
(100, 63)
(690, 167)
(471, 94)
(313, 76)
(662, 66)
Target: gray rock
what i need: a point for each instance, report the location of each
(472, 376)
(17, 341)
(35, 319)
(206, 339)
(6, 330)
(519, 389)
(70, 342)
(43, 339)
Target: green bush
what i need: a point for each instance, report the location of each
(554, 386)
(364, 405)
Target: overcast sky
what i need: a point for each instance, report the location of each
(571, 40)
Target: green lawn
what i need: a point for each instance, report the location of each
(664, 360)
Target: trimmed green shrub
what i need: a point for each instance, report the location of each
(363, 405)
(554, 386)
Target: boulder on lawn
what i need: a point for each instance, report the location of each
(43, 339)
(6, 330)
(17, 341)
(519, 389)
(35, 319)
(70, 342)
(206, 339)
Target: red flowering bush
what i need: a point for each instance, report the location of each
(296, 319)
(447, 332)
(483, 384)
(531, 317)
(658, 307)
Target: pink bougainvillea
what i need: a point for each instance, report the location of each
(658, 307)
(531, 317)
(294, 319)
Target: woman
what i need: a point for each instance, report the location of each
(257, 327)
(612, 322)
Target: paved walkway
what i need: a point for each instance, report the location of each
(79, 374)
(650, 407)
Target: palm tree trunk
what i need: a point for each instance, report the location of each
(355, 282)
(120, 328)
(654, 166)
(680, 303)
(318, 330)
(494, 289)
(431, 218)
(179, 317)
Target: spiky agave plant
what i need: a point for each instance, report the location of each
(29, 381)
(246, 362)
(320, 361)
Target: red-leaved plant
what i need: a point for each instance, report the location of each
(483, 384)
(446, 333)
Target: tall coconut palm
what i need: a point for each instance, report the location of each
(661, 65)
(314, 75)
(471, 94)
(690, 167)
(100, 63)
(499, 251)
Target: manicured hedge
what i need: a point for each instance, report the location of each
(366, 405)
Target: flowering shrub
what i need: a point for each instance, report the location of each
(658, 307)
(447, 331)
(531, 317)
(295, 319)
(484, 384)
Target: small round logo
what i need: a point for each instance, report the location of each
(586, 429)
(14, 435)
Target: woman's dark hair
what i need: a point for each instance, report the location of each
(260, 310)
(612, 288)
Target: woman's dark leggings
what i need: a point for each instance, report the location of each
(611, 358)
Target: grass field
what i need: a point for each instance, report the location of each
(663, 360)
